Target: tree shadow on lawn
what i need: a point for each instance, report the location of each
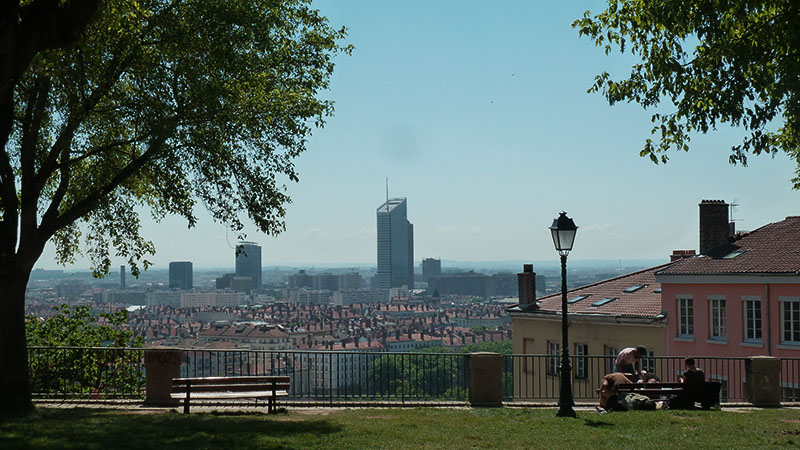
(596, 423)
(86, 428)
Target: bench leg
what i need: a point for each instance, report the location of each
(186, 404)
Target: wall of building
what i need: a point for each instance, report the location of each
(735, 344)
(532, 334)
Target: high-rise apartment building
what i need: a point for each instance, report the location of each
(431, 267)
(395, 245)
(248, 262)
(180, 275)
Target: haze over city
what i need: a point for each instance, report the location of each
(478, 114)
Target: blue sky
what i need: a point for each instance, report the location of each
(477, 112)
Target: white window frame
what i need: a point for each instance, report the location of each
(793, 322)
(751, 323)
(685, 307)
(581, 351)
(610, 353)
(553, 350)
(717, 311)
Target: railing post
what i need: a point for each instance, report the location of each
(763, 385)
(485, 379)
(161, 365)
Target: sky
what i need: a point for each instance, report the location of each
(477, 113)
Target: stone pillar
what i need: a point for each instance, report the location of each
(762, 384)
(485, 379)
(161, 365)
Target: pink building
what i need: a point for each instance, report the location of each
(740, 296)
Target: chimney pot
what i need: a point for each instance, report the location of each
(680, 254)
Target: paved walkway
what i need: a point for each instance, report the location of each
(136, 406)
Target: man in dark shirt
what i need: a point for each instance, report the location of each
(693, 378)
(696, 389)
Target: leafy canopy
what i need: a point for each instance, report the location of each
(163, 105)
(734, 63)
(78, 327)
(65, 355)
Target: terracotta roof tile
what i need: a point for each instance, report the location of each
(641, 302)
(773, 248)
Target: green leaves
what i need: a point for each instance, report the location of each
(164, 105)
(65, 358)
(714, 63)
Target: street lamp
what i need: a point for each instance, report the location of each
(563, 231)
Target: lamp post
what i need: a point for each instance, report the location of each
(563, 231)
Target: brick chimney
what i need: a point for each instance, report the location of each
(527, 287)
(714, 226)
(680, 254)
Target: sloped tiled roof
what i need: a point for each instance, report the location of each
(642, 302)
(773, 249)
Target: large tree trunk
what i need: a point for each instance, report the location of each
(15, 390)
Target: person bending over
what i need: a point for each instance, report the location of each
(629, 361)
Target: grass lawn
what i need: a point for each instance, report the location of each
(403, 429)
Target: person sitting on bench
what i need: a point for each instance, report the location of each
(696, 389)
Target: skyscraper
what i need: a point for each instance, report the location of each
(248, 262)
(431, 267)
(180, 275)
(395, 245)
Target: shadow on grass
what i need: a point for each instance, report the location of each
(596, 423)
(85, 428)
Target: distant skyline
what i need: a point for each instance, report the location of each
(477, 112)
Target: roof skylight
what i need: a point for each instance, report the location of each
(604, 301)
(732, 255)
(634, 288)
(577, 299)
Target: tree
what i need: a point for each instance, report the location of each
(66, 365)
(716, 62)
(111, 108)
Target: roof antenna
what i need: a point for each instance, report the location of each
(387, 193)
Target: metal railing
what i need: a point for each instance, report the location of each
(91, 373)
(338, 377)
(99, 373)
(790, 379)
(535, 377)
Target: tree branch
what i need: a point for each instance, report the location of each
(87, 204)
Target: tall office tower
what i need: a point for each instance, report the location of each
(395, 245)
(248, 262)
(431, 267)
(180, 275)
(122, 277)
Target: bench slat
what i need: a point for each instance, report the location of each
(238, 380)
(229, 395)
(232, 387)
(637, 386)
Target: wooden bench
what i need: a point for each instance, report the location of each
(227, 388)
(652, 390)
